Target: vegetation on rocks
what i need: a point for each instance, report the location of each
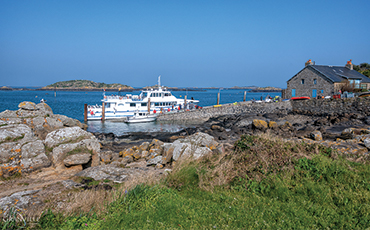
(86, 84)
(363, 68)
(263, 182)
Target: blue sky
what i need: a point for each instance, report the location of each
(189, 43)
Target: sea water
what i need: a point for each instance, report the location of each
(71, 104)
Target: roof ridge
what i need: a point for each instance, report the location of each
(324, 75)
(330, 66)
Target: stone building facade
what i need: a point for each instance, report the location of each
(319, 80)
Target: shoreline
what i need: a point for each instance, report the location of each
(93, 90)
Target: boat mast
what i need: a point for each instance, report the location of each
(159, 82)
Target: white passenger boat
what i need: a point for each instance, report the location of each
(153, 101)
(141, 117)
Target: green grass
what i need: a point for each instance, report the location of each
(12, 139)
(314, 190)
(79, 150)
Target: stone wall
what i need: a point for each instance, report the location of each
(242, 107)
(333, 106)
(308, 107)
(323, 87)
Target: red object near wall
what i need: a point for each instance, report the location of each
(336, 96)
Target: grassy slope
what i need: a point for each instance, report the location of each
(297, 186)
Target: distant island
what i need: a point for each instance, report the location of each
(266, 89)
(258, 89)
(86, 85)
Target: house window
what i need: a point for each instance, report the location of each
(322, 91)
(363, 86)
(302, 81)
(357, 84)
(293, 92)
(315, 81)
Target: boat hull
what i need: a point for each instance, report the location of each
(140, 119)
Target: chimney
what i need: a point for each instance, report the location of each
(309, 62)
(349, 64)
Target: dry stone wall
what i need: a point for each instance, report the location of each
(243, 107)
(333, 106)
(317, 107)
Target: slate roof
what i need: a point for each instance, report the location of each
(337, 74)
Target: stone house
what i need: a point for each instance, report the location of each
(322, 80)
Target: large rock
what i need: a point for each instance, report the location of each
(33, 149)
(154, 161)
(180, 149)
(200, 139)
(70, 122)
(196, 145)
(27, 105)
(12, 138)
(259, 124)
(18, 200)
(35, 163)
(347, 133)
(7, 150)
(167, 153)
(14, 132)
(87, 146)
(65, 135)
(316, 135)
(44, 107)
(201, 151)
(77, 159)
(42, 126)
(8, 114)
(367, 142)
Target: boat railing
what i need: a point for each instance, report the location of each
(123, 97)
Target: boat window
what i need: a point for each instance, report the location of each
(145, 94)
(143, 104)
(132, 105)
(120, 104)
(156, 104)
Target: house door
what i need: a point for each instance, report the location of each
(314, 93)
(293, 92)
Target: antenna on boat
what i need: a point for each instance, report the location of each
(159, 82)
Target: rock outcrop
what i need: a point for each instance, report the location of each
(32, 138)
(160, 154)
